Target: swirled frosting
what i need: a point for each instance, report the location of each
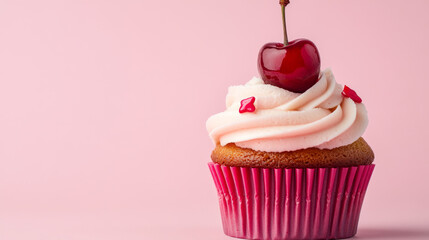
(321, 117)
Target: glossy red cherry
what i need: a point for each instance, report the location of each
(294, 67)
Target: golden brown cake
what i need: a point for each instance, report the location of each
(355, 154)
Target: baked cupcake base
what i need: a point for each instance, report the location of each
(355, 154)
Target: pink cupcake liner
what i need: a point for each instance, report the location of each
(309, 203)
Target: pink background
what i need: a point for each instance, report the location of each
(103, 107)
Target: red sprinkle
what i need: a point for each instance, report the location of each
(247, 105)
(348, 92)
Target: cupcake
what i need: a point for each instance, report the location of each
(289, 159)
(290, 165)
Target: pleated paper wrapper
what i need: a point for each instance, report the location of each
(309, 203)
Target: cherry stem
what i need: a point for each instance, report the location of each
(283, 4)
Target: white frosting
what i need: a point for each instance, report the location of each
(286, 121)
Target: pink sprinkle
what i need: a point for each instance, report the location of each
(247, 105)
(348, 92)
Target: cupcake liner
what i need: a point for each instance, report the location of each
(309, 203)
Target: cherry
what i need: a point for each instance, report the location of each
(294, 66)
